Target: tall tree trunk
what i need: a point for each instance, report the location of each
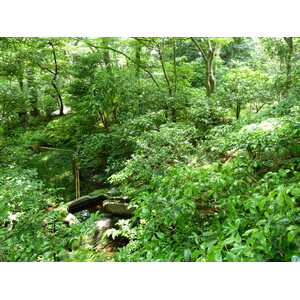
(289, 75)
(238, 108)
(33, 95)
(138, 61)
(111, 94)
(23, 111)
(208, 58)
(170, 89)
(173, 108)
(106, 56)
(54, 82)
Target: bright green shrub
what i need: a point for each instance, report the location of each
(156, 151)
(261, 224)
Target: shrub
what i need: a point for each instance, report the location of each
(155, 151)
(27, 231)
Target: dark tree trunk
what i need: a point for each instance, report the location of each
(238, 109)
(54, 82)
(138, 61)
(22, 113)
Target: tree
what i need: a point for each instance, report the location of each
(289, 56)
(13, 68)
(52, 67)
(283, 49)
(209, 49)
(243, 86)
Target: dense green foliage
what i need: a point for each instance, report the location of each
(202, 135)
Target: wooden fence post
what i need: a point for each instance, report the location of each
(77, 178)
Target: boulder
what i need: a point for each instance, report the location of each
(118, 208)
(85, 202)
(104, 223)
(70, 219)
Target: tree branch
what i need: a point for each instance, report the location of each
(199, 48)
(128, 57)
(44, 68)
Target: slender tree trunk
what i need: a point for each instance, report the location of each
(33, 95)
(138, 61)
(171, 92)
(60, 101)
(175, 65)
(238, 109)
(210, 80)
(54, 82)
(208, 58)
(164, 70)
(106, 56)
(23, 111)
(289, 75)
(173, 109)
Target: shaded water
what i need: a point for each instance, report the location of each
(82, 215)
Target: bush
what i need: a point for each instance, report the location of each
(28, 232)
(157, 150)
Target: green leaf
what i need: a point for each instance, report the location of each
(196, 253)
(187, 254)
(261, 222)
(231, 257)
(289, 201)
(295, 192)
(218, 256)
(237, 223)
(262, 239)
(239, 248)
(249, 231)
(229, 240)
(283, 220)
(262, 203)
(160, 235)
(292, 227)
(215, 256)
(291, 235)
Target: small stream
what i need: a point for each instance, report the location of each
(82, 215)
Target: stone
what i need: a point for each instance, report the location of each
(84, 202)
(118, 208)
(103, 224)
(70, 219)
(113, 192)
(97, 192)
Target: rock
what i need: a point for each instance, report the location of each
(97, 192)
(113, 192)
(70, 219)
(84, 202)
(104, 223)
(118, 208)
